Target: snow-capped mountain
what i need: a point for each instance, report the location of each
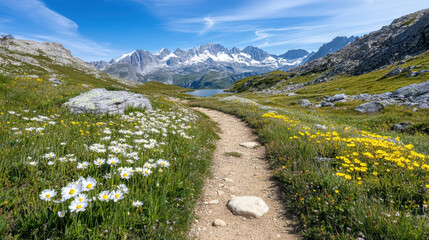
(207, 66)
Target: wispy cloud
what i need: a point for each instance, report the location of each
(55, 28)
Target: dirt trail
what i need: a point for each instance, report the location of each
(248, 175)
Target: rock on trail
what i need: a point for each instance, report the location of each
(247, 206)
(248, 175)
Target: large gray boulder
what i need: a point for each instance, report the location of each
(413, 90)
(100, 100)
(305, 103)
(247, 206)
(370, 107)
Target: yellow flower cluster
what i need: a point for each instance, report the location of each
(365, 154)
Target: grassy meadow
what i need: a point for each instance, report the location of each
(88, 176)
(354, 180)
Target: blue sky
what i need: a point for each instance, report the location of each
(105, 29)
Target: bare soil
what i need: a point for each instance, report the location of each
(245, 175)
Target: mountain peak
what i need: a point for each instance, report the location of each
(294, 54)
(125, 56)
(256, 53)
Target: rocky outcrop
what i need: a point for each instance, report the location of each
(370, 107)
(305, 103)
(100, 100)
(394, 72)
(406, 36)
(400, 127)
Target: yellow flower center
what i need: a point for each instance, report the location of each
(116, 195)
(105, 196)
(48, 195)
(89, 186)
(125, 174)
(80, 199)
(72, 191)
(99, 162)
(78, 206)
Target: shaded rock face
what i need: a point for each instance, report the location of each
(100, 100)
(394, 72)
(416, 91)
(406, 36)
(247, 206)
(400, 127)
(370, 107)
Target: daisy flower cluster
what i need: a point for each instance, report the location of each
(120, 156)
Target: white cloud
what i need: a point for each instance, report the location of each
(52, 26)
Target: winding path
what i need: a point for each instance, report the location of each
(248, 175)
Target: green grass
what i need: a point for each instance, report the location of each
(372, 83)
(390, 205)
(167, 194)
(233, 154)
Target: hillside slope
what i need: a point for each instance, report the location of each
(52, 60)
(406, 36)
(380, 60)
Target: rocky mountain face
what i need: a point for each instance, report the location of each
(332, 46)
(404, 37)
(207, 66)
(47, 58)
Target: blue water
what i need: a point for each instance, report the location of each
(206, 92)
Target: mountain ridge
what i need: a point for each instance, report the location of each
(211, 60)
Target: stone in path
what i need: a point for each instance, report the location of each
(250, 144)
(219, 223)
(247, 206)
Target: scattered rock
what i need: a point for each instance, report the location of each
(407, 69)
(228, 180)
(400, 127)
(220, 193)
(370, 107)
(100, 100)
(320, 159)
(394, 72)
(56, 81)
(338, 97)
(219, 223)
(326, 104)
(250, 144)
(416, 74)
(318, 126)
(305, 103)
(247, 206)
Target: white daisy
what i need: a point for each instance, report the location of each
(99, 161)
(81, 198)
(123, 188)
(82, 165)
(48, 194)
(113, 161)
(116, 195)
(137, 204)
(34, 163)
(162, 163)
(88, 184)
(50, 155)
(71, 190)
(104, 196)
(61, 214)
(146, 171)
(77, 206)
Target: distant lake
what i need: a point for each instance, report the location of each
(206, 92)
